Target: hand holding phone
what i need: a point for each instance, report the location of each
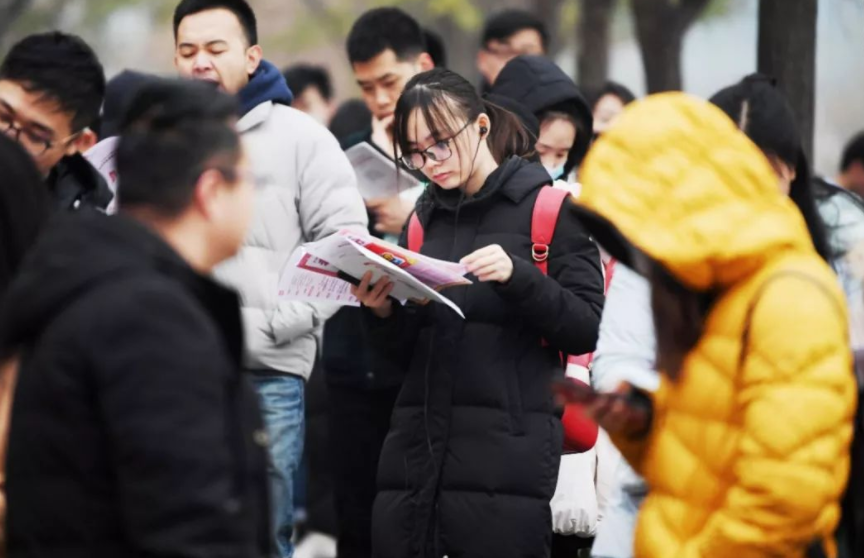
(624, 411)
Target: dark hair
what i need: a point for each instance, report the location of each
(612, 88)
(239, 8)
(680, 315)
(60, 68)
(385, 28)
(436, 49)
(504, 25)
(24, 207)
(118, 94)
(172, 132)
(553, 114)
(445, 97)
(761, 111)
(300, 77)
(853, 152)
(351, 117)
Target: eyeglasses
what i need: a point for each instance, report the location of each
(416, 160)
(33, 142)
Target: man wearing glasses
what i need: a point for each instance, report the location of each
(51, 90)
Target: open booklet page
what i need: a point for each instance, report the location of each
(325, 270)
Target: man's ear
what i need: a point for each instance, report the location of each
(254, 55)
(425, 62)
(207, 190)
(85, 140)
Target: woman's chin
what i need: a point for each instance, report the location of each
(446, 181)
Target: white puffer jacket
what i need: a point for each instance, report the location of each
(306, 191)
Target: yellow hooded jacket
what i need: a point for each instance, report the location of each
(744, 459)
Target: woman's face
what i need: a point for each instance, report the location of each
(455, 148)
(785, 173)
(606, 111)
(557, 137)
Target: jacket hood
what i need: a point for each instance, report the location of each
(266, 84)
(540, 85)
(74, 182)
(76, 255)
(685, 187)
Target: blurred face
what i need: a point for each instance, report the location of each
(453, 149)
(853, 178)
(40, 126)
(606, 111)
(557, 137)
(313, 103)
(211, 46)
(382, 80)
(495, 55)
(785, 174)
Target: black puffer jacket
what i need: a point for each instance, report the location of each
(75, 184)
(133, 432)
(471, 461)
(540, 85)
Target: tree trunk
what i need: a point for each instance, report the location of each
(10, 10)
(660, 28)
(787, 51)
(549, 12)
(595, 22)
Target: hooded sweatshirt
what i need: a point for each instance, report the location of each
(305, 191)
(748, 451)
(540, 85)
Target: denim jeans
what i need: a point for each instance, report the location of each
(282, 404)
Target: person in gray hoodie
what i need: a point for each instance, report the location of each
(305, 191)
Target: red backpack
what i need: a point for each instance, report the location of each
(580, 432)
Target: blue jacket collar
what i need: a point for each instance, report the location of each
(266, 84)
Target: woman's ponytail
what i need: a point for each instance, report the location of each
(508, 136)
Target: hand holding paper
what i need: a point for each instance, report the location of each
(326, 270)
(376, 297)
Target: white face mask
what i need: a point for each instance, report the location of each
(556, 172)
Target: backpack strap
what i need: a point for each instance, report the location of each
(547, 206)
(415, 233)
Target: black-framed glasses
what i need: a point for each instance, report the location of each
(35, 143)
(415, 160)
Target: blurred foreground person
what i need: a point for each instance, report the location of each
(133, 432)
(24, 208)
(747, 451)
(627, 346)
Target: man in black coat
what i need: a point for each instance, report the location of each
(133, 432)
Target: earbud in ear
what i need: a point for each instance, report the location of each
(483, 130)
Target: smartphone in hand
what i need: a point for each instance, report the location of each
(624, 411)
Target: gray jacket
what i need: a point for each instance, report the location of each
(625, 353)
(306, 191)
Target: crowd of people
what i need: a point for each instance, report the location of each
(656, 358)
